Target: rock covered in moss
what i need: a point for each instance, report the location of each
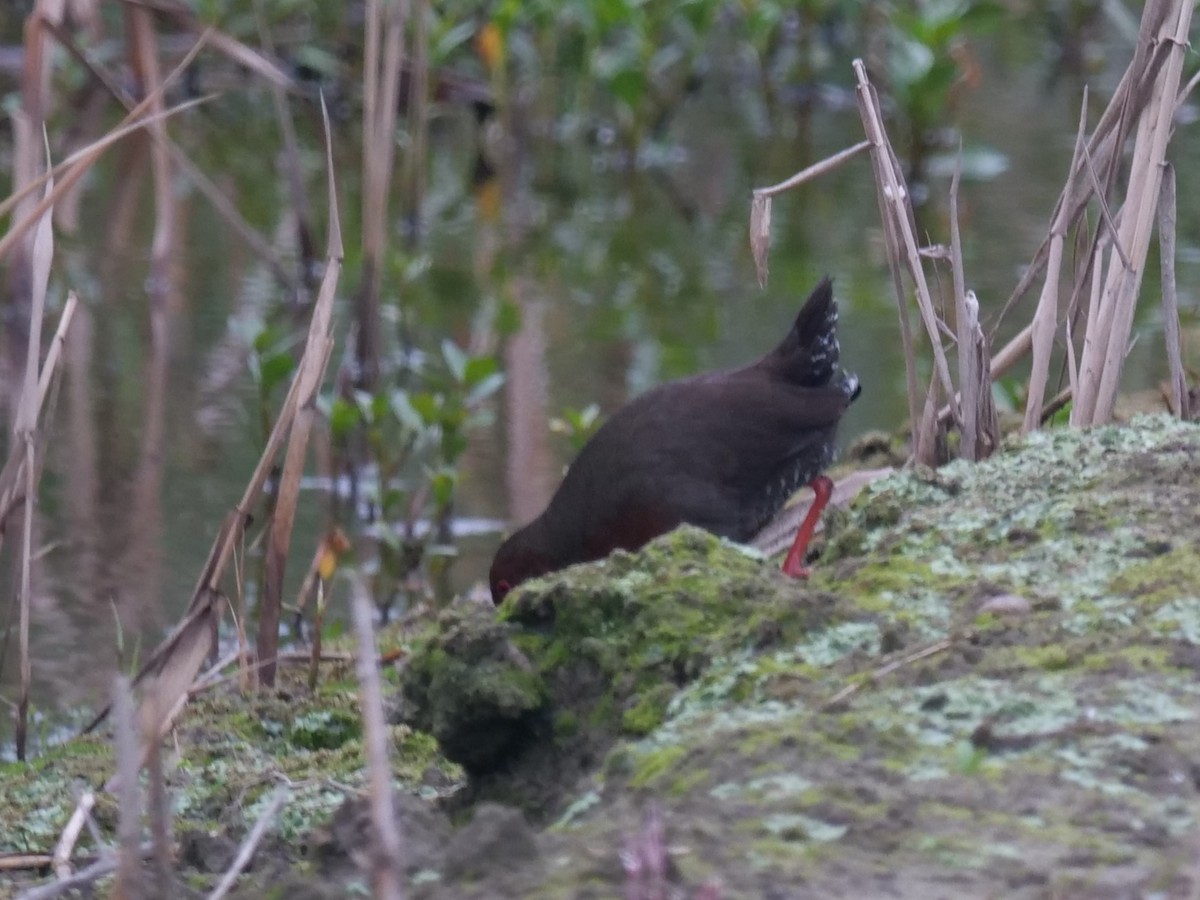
(532, 700)
(469, 687)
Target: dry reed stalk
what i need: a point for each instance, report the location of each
(172, 666)
(1099, 162)
(1103, 149)
(291, 159)
(143, 59)
(1165, 26)
(160, 821)
(247, 671)
(386, 852)
(68, 172)
(70, 834)
(1045, 319)
(760, 207)
(980, 428)
(101, 868)
(308, 377)
(12, 485)
(383, 56)
(314, 660)
(179, 158)
(25, 439)
(902, 245)
(239, 54)
(418, 115)
(37, 65)
(1180, 401)
(129, 811)
(908, 659)
(250, 844)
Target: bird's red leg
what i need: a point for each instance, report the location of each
(794, 563)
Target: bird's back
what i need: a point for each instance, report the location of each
(722, 450)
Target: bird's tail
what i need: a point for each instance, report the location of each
(808, 356)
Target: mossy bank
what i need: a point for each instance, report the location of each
(987, 688)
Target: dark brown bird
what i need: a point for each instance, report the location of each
(722, 451)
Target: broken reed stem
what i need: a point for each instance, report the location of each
(160, 821)
(25, 436)
(874, 677)
(902, 245)
(183, 163)
(760, 206)
(250, 844)
(291, 159)
(967, 385)
(129, 811)
(314, 663)
(1180, 401)
(68, 172)
(416, 161)
(308, 382)
(66, 841)
(1102, 152)
(174, 663)
(1045, 318)
(1165, 33)
(383, 56)
(386, 854)
(1110, 318)
(816, 170)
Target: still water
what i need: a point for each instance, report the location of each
(626, 276)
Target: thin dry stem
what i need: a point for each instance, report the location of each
(1045, 319)
(816, 170)
(1180, 401)
(70, 834)
(308, 378)
(250, 844)
(937, 647)
(129, 813)
(903, 246)
(385, 23)
(386, 859)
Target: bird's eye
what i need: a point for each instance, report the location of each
(502, 588)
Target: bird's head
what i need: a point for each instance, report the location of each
(518, 560)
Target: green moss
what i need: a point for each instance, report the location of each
(566, 724)
(648, 711)
(688, 782)
(654, 766)
(324, 729)
(1052, 658)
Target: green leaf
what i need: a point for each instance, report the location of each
(365, 401)
(478, 368)
(318, 59)
(456, 360)
(404, 411)
(453, 38)
(392, 502)
(485, 389)
(427, 406)
(442, 484)
(265, 340)
(379, 407)
(274, 370)
(453, 444)
(343, 418)
(629, 86)
(508, 318)
(910, 61)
